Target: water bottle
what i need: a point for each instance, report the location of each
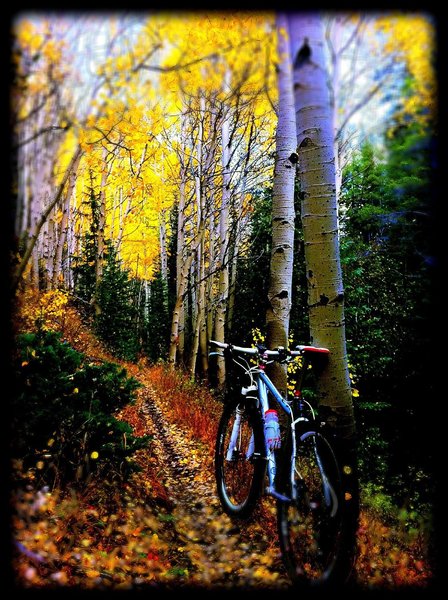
(272, 429)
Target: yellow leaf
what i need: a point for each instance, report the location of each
(40, 464)
(91, 573)
(94, 454)
(25, 362)
(75, 391)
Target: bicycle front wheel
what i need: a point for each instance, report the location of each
(310, 526)
(240, 464)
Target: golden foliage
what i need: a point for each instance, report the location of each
(46, 311)
(411, 38)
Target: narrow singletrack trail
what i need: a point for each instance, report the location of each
(220, 552)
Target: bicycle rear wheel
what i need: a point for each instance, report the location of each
(240, 464)
(311, 526)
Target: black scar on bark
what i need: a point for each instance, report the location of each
(324, 300)
(283, 295)
(310, 273)
(294, 158)
(303, 55)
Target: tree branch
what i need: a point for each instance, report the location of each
(44, 216)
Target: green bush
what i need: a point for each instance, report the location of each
(116, 321)
(63, 428)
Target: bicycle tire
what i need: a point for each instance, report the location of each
(311, 528)
(240, 470)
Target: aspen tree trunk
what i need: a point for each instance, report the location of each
(181, 290)
(196, 272)
(336, 85)
(45, 166)
(62, 239)
(49, 250)
(24, 185)
(71, 245)
(209, 207)
(99, 260)
(211, 279)
(179, 264)
(315, 141)
(282, 254)
(223, 286)
(200, 309)
(185, 257)
(163, 249)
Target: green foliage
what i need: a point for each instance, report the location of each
(156, 332)
(386, 261)
(84, 264)
(62, 412)
(116, 316)
(374, 498)
(252, 280)
(116, 322)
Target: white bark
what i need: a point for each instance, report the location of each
(100, 235)
(315, 140)
(163, 248)
(282, 254)
(223, 286)
(63, 234)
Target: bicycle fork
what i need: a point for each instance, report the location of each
(235, 437)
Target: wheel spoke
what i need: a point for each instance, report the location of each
(310, 526)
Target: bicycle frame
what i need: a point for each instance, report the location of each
(262, 385)
(265, 385)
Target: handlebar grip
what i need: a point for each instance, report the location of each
(218, 344)
(313, 349)
(233, 348)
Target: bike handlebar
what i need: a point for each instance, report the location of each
(278, 353)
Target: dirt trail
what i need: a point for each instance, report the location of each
(221, 553)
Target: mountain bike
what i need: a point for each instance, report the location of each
(302, 475)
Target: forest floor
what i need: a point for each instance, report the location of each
(164, 527)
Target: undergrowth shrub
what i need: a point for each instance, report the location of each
(63, 428)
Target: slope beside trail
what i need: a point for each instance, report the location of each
(219, 551)
(163, 528)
